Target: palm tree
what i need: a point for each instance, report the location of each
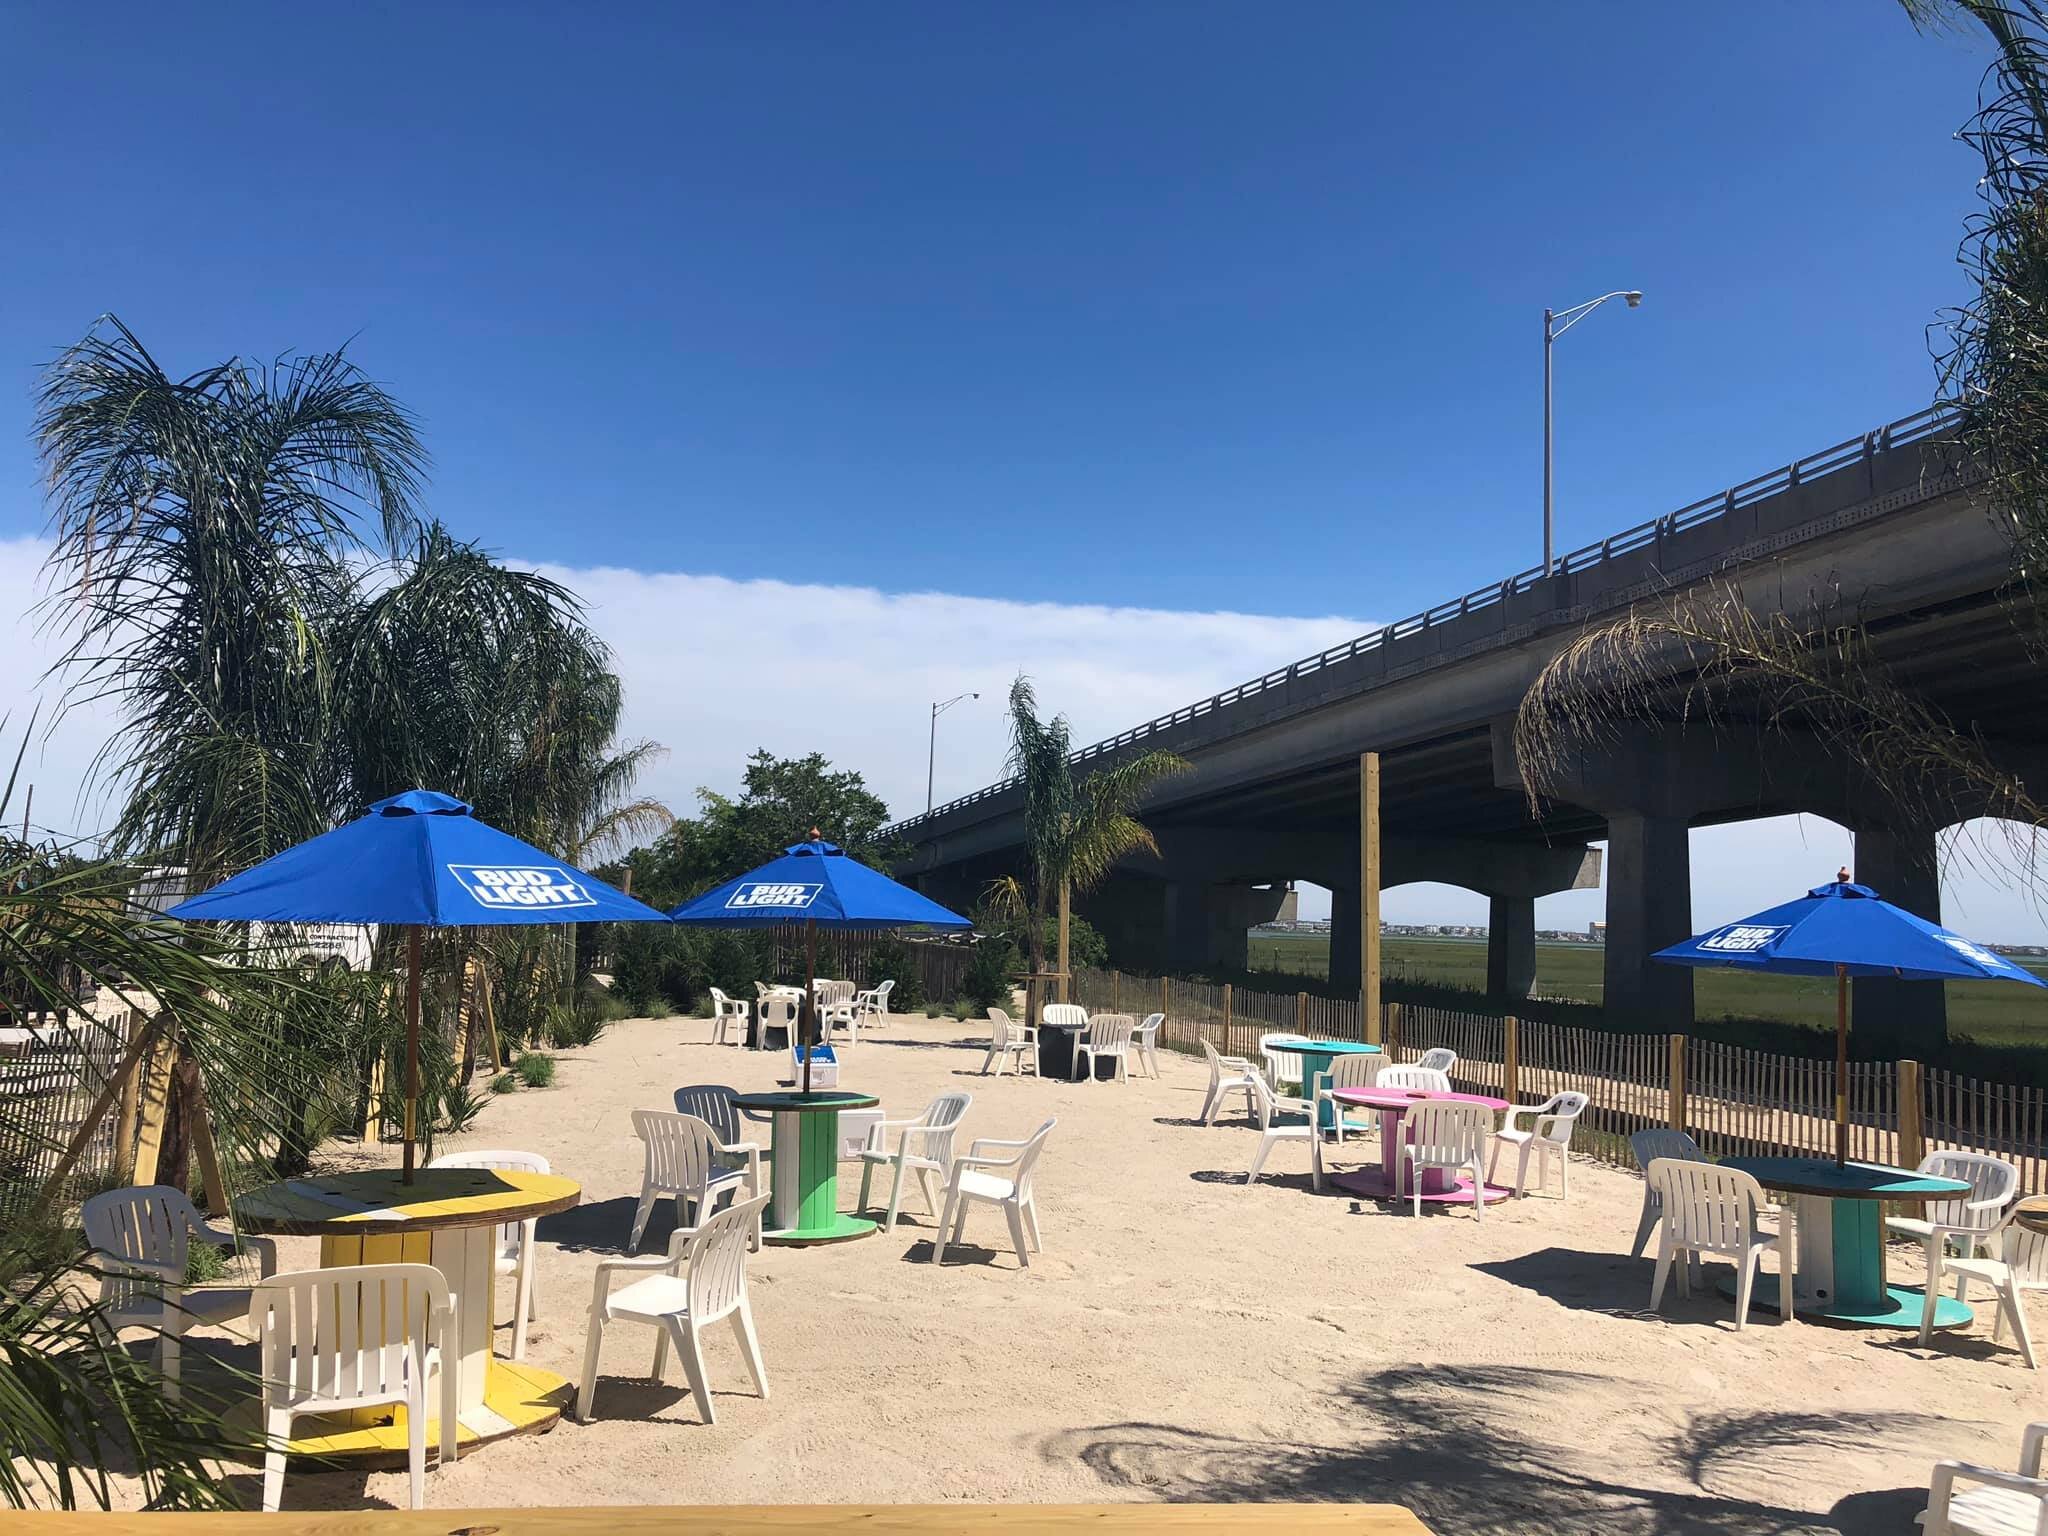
(203, 529)
(1075, 829)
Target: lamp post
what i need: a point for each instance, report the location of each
(1552, 329)
(931, 761)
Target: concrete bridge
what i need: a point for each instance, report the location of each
(1883, 526)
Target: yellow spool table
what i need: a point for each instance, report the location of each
(449, 1218)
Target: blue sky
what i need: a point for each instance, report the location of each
(1181, 304)
(1182, 307)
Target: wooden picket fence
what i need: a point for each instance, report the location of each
(1733, 1100)
(46, 1093)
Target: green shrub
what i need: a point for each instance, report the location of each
(535, 1069)
(568, 1028)
(505, 1082)
(894, 960)
(935, 1010)
(986, 982)
(964, 1009)
(204, 1262)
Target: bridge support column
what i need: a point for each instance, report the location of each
(1345, 959)
(1892, 1017)
(1649, 905)
(1510, 946)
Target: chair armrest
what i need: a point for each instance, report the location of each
(1941, 1486)
(2030, 1449)
(264, 1248)
(751, 1149)
(974, 1147)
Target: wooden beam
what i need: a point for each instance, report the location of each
(156, 1107)
(1066, 918)
(199, 1127)
(1369, 895)
(751, 1520)
(126, 1123)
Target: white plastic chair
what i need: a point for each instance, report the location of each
(1108, 1034)
(514, 1253)
(854, 1125)
(2002, 1503)
(1280, 1068)
(1707, 1208)
(837, 1015)
(924, 1145)
(776, 1010)
(873, 1004)
(1007, 1038)
(1448, 1134)
(1419, 1079)
(1146, 1039)
(1439, 1058)
(1965, 1220)
(1355, 1069)
(1266, 1104)
(1064, 1015)
(1647, 1147)
(356, 1336)
(2021, 1265)
(140, 1238)
(1000, 1181)
(1549, 1131)
(728, 1015)
(1227, 1075)
(703, 1280)
(683, 1161)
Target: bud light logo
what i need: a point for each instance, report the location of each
(522, 888)
(1742, 939)
(763, 893)
(1969, 951)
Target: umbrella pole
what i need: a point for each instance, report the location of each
(810, 1006)
(1841, 1065)
(412, 1045)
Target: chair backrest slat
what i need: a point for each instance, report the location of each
(1989, 1178)
(717, 1272)
(682, 1151)
(1439, 1058)
(147, 1225)
(1065, 1015)
(1421, 1079)
(1648, 1146)
(1449, 1130)
(1706, 1207)
(714, 1104)
(349, 1332)
(1107, 1031)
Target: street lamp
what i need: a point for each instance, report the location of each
(931, 761)
(1551, 331)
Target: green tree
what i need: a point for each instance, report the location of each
(780, 801)
(1076, 828)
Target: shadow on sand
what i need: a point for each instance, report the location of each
(1459, 1447)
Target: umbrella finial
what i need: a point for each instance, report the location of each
(1842, 875)
(816, 836)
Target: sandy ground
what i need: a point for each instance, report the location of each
(1185, 1337)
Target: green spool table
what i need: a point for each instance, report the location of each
(1839, 1234)
(1315, 1060)
(803, 1190)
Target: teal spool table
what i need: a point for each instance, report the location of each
(803, 1190)
(1315, 1057)
(1839, 1239)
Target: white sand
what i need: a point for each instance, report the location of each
(1183, 1336)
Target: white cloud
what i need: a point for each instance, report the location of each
(715, 668)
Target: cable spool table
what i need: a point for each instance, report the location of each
(1315, 1060)
(449, 1218)
(1839, 1236)
(803, 1205)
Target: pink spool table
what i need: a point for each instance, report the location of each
(1385, 1182)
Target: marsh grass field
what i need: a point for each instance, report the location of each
(1988, 1012)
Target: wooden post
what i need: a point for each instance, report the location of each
(1369, 895)
(1912, 1127)
(1511, 1059)
(131, 1105)
(1677, 1103)
(483, 983)
(156, 1108)
(373, 1110)
(1066, 915)
(1226, 1015)
(1394, 1021)
(1116, 990)
(1164, 983)
(1301, 1013)
(199, 1127)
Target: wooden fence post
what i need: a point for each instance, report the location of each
(1511, 1059)
(1912, 1128)
(1677, 1104)
(1226, 1016)
(1393, 1040)
(1116, 991)
(127, 1123)
(1301, 1013)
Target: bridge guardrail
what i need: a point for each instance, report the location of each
(1920, 427)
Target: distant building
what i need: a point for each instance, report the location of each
(1596, 931)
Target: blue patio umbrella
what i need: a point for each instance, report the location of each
(815, 884)
(1844, 929)
(417, 860)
